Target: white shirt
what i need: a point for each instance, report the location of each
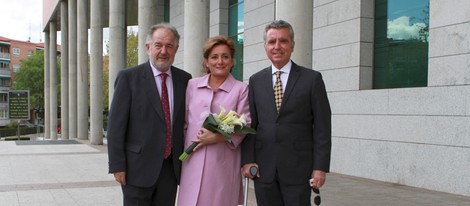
(284, 74)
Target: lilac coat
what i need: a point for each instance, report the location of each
(211, 175)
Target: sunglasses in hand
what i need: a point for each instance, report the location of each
(317, 198)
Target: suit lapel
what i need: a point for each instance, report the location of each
(178, 92)
(151, 89)
(292, 80)
(268, 76)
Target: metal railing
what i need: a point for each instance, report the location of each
(4, 55)
(5, 71)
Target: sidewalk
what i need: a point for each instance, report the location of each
(74, 173)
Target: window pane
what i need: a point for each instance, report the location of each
(236, 29)
(233, 21)
(232, 2)
(236, 19)
(16, 51)
(166, 10)
(401, 43)
(237, 70)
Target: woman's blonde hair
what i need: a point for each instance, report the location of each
(213, 42)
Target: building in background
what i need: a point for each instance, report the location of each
(12, 52)
(397, 72)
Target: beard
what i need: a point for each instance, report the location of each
(162, 65)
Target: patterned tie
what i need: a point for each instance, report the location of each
(278, 90)
(166, 110)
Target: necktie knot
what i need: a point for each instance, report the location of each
(163, 76)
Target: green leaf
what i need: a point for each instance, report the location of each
(211, 124)
(245, 130)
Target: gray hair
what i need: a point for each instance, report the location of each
(278, 24)
(162, 26)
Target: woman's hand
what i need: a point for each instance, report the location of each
(207, 137)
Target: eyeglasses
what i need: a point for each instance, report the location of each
(317, 198)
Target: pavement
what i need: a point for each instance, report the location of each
(74, 173)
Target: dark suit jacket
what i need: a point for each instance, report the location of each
(298, 139)
(136, 125)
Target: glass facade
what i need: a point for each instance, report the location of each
(401, 43)
(166, 10)
(235, 32)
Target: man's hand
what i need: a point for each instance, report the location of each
(246, 170)
(120, 177)
(319, 178)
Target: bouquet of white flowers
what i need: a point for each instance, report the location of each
(224, 124)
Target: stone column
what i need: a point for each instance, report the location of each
(117, 42)
(64, 71)
(218, 17)
(53, 79)
(147, 17)
(47, 89)
(96, 72)
(82, 71)
(196, 32)
(302, 23)
(72, 68)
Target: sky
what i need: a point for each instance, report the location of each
(21, 20)
(405, 18)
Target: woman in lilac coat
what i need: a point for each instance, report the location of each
(211, 174)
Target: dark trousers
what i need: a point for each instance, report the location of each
(162, 193)
(279, 194)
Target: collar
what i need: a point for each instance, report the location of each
(285, 69)
(226, 86)
(157, 72)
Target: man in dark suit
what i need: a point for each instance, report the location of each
(293, 140)
(145, 127)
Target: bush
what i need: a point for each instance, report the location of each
(7, 132)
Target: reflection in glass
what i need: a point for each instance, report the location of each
(235, 32)
(401, 43)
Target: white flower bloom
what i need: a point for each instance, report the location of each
(240, 121)
(229, 129)
(221, 113)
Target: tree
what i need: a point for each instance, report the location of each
(132, 60)
(132, 48)
(31, 77)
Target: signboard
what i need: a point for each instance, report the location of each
(18, 104)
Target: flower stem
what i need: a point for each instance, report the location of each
(188, 151)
